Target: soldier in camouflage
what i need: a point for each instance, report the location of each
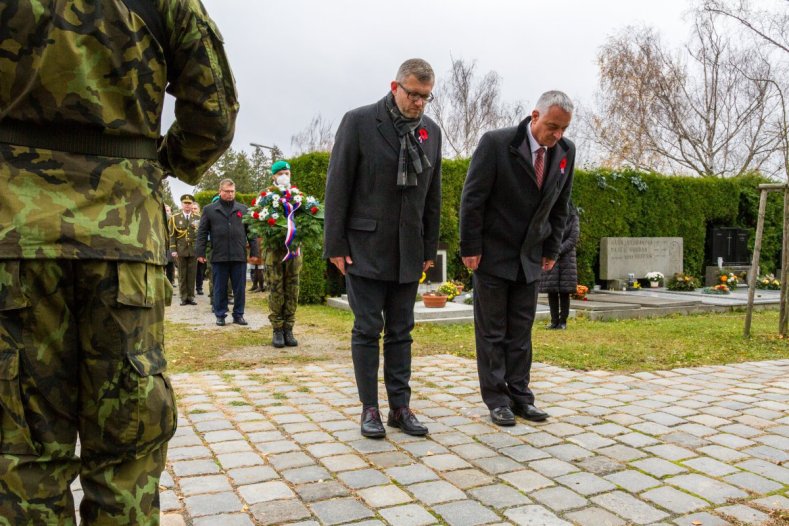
(282, 278)
(182, 229)
(83, 243)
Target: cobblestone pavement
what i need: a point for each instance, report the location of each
(281, 445)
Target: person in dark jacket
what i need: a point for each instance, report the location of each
(222, 220)
(561, 280)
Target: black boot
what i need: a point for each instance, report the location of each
(254, 279)
(553, 304)
(278, 340)
(564, 309)
(290, 341)
(261, 281)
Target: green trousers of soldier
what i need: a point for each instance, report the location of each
(283, 293)
(187, 277)
(81, 355)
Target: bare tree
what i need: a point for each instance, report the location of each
(316, 137)
(771, 27)
(466, 106)
(703, 110)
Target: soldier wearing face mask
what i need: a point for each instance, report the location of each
(282, 277)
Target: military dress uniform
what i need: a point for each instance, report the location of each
(183, 234)
(83, 244)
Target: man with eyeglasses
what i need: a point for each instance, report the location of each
(383, 201)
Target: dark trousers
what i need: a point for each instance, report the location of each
(169, 271)
(236, 271)
(200, 276)
(385, 306)
(559, 303)
(504, 313)
(187, 268)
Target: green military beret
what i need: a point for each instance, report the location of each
(187, 198)
(279, 165)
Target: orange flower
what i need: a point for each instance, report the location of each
(724, 279)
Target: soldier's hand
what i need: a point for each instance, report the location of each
(340, 262)
(174, 254)
(201, 259)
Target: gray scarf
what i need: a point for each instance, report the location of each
(413, 160)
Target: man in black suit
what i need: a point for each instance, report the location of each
(383, 200)
(512, 215)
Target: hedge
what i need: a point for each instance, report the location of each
(620, 203)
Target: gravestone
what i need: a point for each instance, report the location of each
(620, 256)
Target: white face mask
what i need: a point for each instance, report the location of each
(283, 180)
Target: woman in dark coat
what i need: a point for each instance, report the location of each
(562, 279)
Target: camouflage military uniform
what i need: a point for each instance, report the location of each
(183, 234)
(283, 282)
(83, 242)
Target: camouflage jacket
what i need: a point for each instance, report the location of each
(183, 234)
(91, 66)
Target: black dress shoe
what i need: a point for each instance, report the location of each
(553, 325)
(278, 340)
(184, 302)
(403, 418)
(240, 321)
(220, 321)
(502, 416)
(191, 302)
(562, 326)
(290, 341)
(372, 427)
(199, 292)
(529, 412)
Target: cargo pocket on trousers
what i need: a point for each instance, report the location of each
(15, 436)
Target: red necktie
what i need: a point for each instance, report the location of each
(539, 166)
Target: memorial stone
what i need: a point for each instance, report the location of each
(620, 256)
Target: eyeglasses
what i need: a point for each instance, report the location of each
(413, 96)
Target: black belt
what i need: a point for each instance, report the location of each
(77, 139)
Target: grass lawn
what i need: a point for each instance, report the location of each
(627, 345)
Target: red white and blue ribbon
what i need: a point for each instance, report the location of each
(290, 210)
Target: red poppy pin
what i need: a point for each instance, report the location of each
(563, 165)
(423, 135)
(238, 214)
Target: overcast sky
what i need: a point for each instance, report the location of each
(294, 59)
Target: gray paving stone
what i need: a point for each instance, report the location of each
(542, 439)
(591, 440)
(674, 500)
(233, 446)
(408, 475)
(703, 518)
(371, 446)
(344, 463)
(204, 484)
(766, 469)
(524, 453)
(534, 516)
(552, 467)
(279, 512)
(622, 453)
(600, 465)
(559, 498)
(321, 491)
(338, 511)
(168, 501)
(290, 460)
(188, 453)
(363, 478)
(194, 467)
(213, 425)
(637, 440)
(253, 474)
(769, 454)
(436, 492)
(752, 482)
(741, 430)
(425, 448)
(710, 466)
(651, 428)
(743, 513)
(499, 496)
(664, 419)
(585, 483)
(408, 515)
(527, 481)
(328, 449)
(389, 459)
(594, 517)
(657, 467)
(223, 436)
(282, 446)
(265, 491)
(497, 465)
(226, 519)
(452, 439)
(213, 504)
(498, 440)
(465, 513)
(306, 474)
(629, 507)
(731, 441)
(468, 478)
(444, 463)
(670, 452)
(568, 452)
(712, 490)
(239, 460)
(722, 453)
(473, 451)
(384, 496)
(773, 502)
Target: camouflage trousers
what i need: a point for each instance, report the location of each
(283, 289)
(81, 355)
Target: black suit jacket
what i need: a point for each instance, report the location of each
(389, 232)
(503, 215)
(229, 234)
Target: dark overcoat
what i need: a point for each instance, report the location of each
(563, 277)
(389, 232)
(229, 234)
(503, 215)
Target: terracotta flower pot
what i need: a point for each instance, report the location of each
(460, 288)
(434, 301)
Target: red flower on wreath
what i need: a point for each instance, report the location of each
(253, 202)
(255, 215)
(423, 135)
(262, 194)
(272, 221)
(314, 210)
(563, 165)
(238, 214)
